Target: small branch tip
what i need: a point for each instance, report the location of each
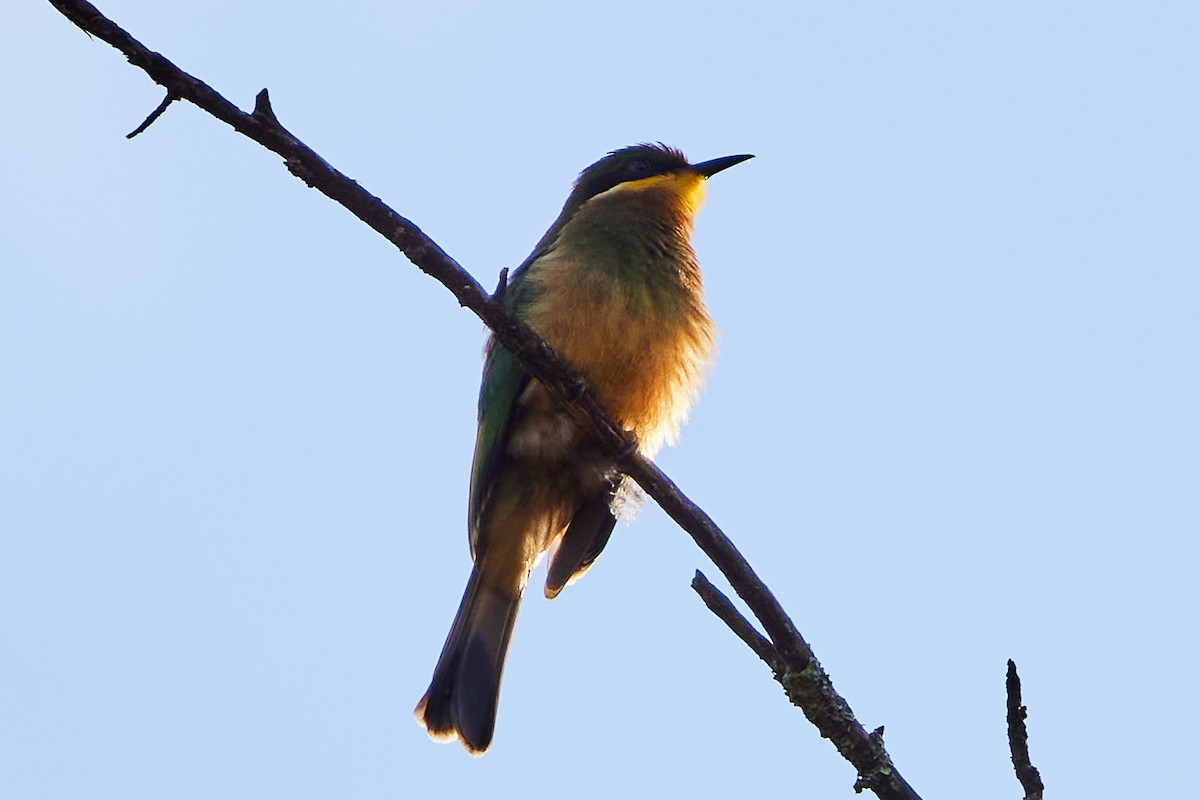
(262, 108)
(501, 287)
(155, 114)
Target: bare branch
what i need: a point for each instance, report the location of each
(1018, 737)
(806, 684)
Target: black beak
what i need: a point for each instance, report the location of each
(710, 168)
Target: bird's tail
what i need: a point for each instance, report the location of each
(461, 700)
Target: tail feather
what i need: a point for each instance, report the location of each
(462, 696)
(581, 543)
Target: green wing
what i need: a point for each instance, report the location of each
(503, 381)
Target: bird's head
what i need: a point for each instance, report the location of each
(646, 166)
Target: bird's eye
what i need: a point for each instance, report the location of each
(639, 167)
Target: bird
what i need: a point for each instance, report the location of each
(614, 287)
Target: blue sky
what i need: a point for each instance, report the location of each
(953, 420)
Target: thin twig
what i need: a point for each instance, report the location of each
(1018, 737)
(723, 607)
(155, 114)
(805, 682)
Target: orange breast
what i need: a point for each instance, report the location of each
(643, 351)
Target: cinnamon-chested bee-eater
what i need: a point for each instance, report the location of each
(614, 287)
